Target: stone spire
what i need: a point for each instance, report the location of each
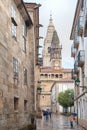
(55, 51)
(51, 22)
(51, 19)
(55, 40)
(47, 43)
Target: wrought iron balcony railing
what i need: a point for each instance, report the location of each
(76, 68)
(73, 74)
(80, 26)
(76, 41)
(73, 51)
(81, 58)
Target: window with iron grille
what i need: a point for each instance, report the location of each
(15, 68)
(25, 76)
(24, 34)
(14, 24)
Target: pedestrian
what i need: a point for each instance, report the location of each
(50, 113)
(32, 120)
(46, 115)
(71, 121)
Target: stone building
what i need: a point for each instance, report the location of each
(52, 73)
(33, 10)
(18, 59)
(79, 53)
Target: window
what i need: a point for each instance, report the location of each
(14, 24)
(24, 33)
(41, 75)
(52, 75)
(25, 76)
(24, 30)
(15, 68)
(42, 89)
(46, 76)
(16, 101)
(25, 105)
(82, 4)
(56, 76)
(14, 28)
(13, 12)
(61, 76)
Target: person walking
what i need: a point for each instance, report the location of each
(50, 112)
(71, 121)
(46, 114)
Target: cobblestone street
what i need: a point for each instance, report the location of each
(57, 122)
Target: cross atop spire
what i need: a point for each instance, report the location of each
(51, 21)
(51, 17)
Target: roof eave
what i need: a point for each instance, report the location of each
(77, 12)
(22, 9)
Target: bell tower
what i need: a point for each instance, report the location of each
(47, 43)
(52, 48)
(55, 52)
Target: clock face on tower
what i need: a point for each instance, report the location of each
(56, 64)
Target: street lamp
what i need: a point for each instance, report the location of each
(69, 94)
(77, 82)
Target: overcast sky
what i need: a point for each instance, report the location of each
(63, 14)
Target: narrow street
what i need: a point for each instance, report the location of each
(57, 122)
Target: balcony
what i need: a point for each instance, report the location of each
(73, 74)
(73, 51)
(80, 26)
(76, 68)
(85, 28)
(76, 42)
(81, 58)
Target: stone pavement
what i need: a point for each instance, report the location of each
(57, 122)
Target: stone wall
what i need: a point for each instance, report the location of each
(11, 119)
(83, 123)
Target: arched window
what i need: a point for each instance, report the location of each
(41, 75)
(56, 76)
(46, 75)
(52, 75)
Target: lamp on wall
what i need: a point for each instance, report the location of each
(77, 81)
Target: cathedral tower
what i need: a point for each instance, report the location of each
(47, 43)
(52, 48)
(55, 52)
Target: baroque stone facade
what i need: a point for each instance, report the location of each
(17, 64)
